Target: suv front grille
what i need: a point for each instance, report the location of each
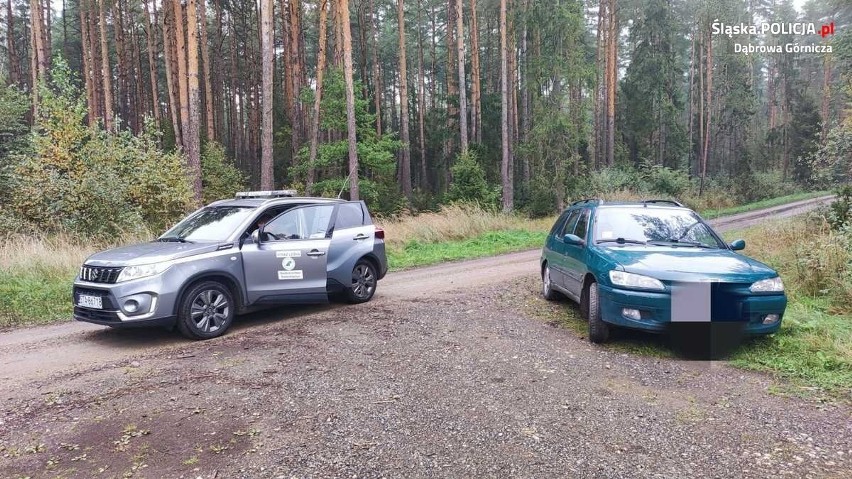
(99, 274)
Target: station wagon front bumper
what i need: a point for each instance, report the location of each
(731, 303)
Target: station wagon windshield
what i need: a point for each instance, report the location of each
(210, 224)
(665, 227)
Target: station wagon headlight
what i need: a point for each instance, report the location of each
(769, 285)
(632, 280)
(142, 271)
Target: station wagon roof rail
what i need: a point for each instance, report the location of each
(669, 202)
(588, 201)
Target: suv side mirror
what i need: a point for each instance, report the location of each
(573, 239)
(255, 236)
(737, 245)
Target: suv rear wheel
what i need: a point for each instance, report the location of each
(206, 311)
(598, 329)
(363, 285)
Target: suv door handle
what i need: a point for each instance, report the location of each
(316, 253)
(360, 237)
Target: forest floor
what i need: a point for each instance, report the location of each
(453, 370)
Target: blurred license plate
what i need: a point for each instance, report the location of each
(86, 301)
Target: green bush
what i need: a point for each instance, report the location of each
(840, 210)
(469, 183)
(219, 177)
(666, 181)
(611, 179)
(85, 180)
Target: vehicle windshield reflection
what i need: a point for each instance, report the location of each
(655, 226)
(210, 224)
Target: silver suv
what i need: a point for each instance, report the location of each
(262, 248)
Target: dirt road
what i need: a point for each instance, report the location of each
(449, 372)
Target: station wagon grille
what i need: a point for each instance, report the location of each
(97, 274)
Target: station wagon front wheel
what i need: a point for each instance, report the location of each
(598, 329)
(364, 280)
(206, 311)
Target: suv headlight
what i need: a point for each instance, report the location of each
(142, 271)
(769, 285)
(632, 280)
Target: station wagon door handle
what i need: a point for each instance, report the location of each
(316, 253)
(360, 237)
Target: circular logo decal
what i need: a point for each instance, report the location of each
(288, 264)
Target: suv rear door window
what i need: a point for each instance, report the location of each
(349, 215)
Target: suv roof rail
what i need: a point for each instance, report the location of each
(266, 194)
(669, 202)
(588, 200)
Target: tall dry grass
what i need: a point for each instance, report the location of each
(455, 222)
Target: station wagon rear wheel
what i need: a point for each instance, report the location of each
(206, 311)
(364, 279)
(598, 329)
(547, 286)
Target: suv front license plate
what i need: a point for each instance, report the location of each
(86, 301)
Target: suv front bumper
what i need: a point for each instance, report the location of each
(139, 302)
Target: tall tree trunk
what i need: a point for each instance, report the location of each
(95, 56)
(183, 87)
(268, 38)
(122, 86)
(297, 76)
(169, 57)
(37, 15)
(86, 54)
(14, 60)
(106, 72)
(612, 70)
(315, 119)
(377, 78)
(476, 92)
(508, 193)
(405, 167)
(208, 87)
(218, 80)
(152, 59)
(691, 109)
(34, 39)
(709, 92)
(421, 99)
(192, 138)
(462, 82)
(354, 193)
(597, 153)
(826, 94)
(452, 87)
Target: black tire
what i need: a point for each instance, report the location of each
(364, 281)
(547, 286)
(598, 329)
(206, 311)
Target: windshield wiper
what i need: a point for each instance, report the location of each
(678, 242)
(173, 239)
(620, 241)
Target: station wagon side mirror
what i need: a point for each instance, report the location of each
(737, 245)
(573, 239)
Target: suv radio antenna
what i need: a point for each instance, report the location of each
(345, 182)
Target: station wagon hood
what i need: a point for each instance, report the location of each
(685, 264)
(147, 253)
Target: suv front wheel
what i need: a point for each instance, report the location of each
(206, 311)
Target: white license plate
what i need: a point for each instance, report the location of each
(86, 301)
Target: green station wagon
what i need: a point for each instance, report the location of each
(645, 265)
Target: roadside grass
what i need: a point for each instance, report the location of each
(416, 253)
(36, 275)
(459, 232)
(710, 213)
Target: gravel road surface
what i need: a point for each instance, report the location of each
(452, 371)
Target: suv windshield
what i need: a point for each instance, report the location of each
(653, 226)
(213, 223)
